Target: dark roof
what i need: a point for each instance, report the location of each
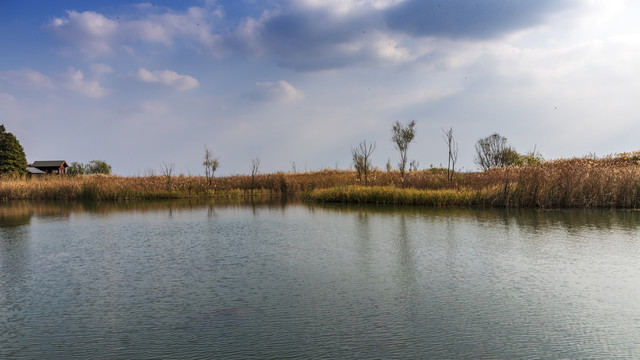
(34, 171)
(50, 164)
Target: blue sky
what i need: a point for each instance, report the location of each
(139, 84)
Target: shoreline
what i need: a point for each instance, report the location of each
(610, 182)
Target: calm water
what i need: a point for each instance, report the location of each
(185, 280)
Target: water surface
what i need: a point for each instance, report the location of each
(274, 280)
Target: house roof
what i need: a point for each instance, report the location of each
(34, 171)
(50, 164)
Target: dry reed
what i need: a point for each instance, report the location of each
(612, 181)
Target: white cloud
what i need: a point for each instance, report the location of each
(280, 91)
(97, 69)
(167, 77)
(95, 35)
(6, 98)
(74, 80)
(27, 78)
(156, 107)
(92, 33)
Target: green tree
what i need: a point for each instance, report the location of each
(211, 165)
(98, 167)
(93, 167)
(76, 168)
(402, 135)
(12, 158)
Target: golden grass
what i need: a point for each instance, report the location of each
(612, 181)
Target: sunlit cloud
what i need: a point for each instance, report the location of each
(74, 80)
(279, 91)
(96, 35)
(27, 78)
(167, 77)
(92, 33)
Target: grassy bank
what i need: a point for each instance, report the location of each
(392, 195)
(613, 181)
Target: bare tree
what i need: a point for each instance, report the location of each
(493, 151)
(413, 165)
(358, 163)
(167, 170)
(454, 159)
(402, 135)
(293, 167)
(210, 165)
(362, 159)
(255, 167)
(452, 146)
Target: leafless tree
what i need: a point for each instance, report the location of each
(167, 170)
(210, 165)
(255, 167)
(493, 151)
(452, 146)
(413, 165)
(362, 159)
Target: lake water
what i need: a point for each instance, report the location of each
(272, 280)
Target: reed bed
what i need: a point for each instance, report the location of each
(393, 196)
(612, 181)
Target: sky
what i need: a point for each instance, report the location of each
(300, 83)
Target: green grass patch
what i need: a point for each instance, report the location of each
(393, 196)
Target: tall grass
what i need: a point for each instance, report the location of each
(612, 181)
(589, 182)
(392, 195)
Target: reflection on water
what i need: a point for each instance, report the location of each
(203, 279)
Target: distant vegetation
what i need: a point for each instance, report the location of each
(493, 151)
(612, 181)
(507, 179)
(93, 167)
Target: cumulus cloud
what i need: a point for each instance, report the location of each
(310, 35)
(167, 77)
(74, 80)
(95, 35)
(92, 33)
(279, 91)
(469, 19)
(27, 78)
(317, 35)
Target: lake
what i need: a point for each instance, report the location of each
(292, 280)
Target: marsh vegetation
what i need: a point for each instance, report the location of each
(611, 181)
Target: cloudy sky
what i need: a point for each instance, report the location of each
(304, 81)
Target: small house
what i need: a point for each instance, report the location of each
(31, 171)
(50, 166)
